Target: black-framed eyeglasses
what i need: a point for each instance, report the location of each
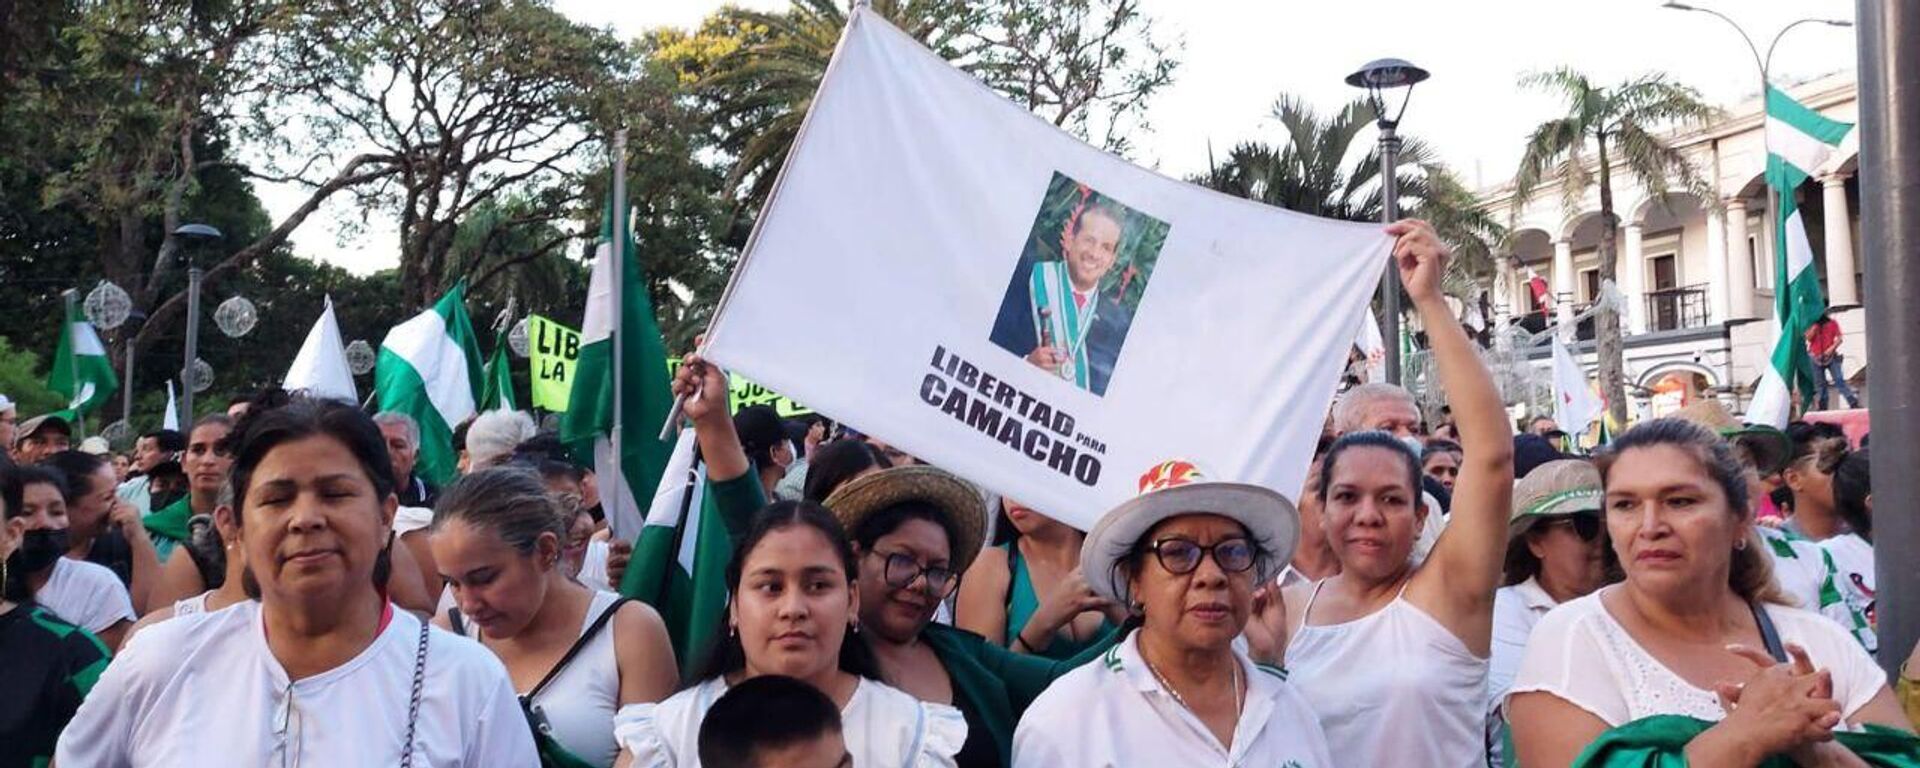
(1182, 556)
(902, 570)
(1587, 527)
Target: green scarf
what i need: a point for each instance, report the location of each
(171, 521)
(1660, 741)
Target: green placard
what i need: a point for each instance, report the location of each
(552, 349)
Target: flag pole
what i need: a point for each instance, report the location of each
(73, 357)
(619, 275)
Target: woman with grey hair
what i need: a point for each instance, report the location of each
(498, 537)
(492, 437)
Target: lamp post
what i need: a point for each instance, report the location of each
(1765, 65)
(1380, 77)
(203, 232)
(134, 319)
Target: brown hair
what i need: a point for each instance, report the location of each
(1751, 572)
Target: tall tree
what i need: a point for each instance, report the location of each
(1602, 128)
(1317, 170)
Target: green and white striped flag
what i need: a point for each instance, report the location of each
(499, 375)
(680, 559)
(645, 398)
(81, 371)
(429, 368)
(1799, 140)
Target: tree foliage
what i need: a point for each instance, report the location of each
(1600, 128)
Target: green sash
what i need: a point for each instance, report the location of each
(169, 526)
(1661, 741)
(1060, 323)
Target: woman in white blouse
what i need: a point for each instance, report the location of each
(1685, 633)
(1185, 557)
(794, 612)
(320, 670)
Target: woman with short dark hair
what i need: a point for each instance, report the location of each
(49, 665)
(321, 669)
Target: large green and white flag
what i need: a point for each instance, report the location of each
(429, 368)
(81, 371)
(499, 374)
(644, 397)
(1799, 140)
(680, 559)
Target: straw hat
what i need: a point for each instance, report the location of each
(1555, 489)
(1769, 447)
(953, 497)
(1176, 488)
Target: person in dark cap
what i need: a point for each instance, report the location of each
(1532, 450)
(42, 436)
(764, 437)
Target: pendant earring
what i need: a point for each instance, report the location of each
(1740, 545)
(733, 630)
(853, 627)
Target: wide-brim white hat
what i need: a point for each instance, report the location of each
(1177, 488)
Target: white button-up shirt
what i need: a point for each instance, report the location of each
(1115, 713)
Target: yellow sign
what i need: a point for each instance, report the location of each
(553, 350)
(743, 392)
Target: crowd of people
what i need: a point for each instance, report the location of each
(279, 586)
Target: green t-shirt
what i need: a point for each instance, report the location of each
(47, 666)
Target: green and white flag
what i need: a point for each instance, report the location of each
(429, 368)
(499, 374)
(1799, 140)
(680, 559)
(645, 396)
(81, 371)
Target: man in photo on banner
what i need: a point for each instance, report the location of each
(1055, 314)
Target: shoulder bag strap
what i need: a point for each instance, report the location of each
(585, 637)
(1768, 635)
(413, 703)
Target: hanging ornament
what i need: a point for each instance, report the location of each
(201, 377)
(236, 316)
(360, 357)
(118, 435)
(517, 338)
(107, 306)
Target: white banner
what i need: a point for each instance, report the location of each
(941, 269)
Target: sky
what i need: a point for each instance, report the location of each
(1237, 56)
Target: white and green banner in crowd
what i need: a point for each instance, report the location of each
(81, 371)
(429, 369)
(1799, 141)
(498, 393)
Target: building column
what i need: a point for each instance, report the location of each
(1739, 263)
(1841, 291)
(1631, 267)
(1563, 293)
(1717, 265)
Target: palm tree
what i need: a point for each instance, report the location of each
(1621, 125)
(1310, 173)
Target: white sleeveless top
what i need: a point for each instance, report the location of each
(578, 705)
(1392, 684)
(884, 727)
(191, 605)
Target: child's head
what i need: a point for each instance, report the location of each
(771, 721)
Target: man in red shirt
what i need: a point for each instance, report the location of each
(1823, 348)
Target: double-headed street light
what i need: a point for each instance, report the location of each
(1382, 78)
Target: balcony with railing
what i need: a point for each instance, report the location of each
(1674, 309)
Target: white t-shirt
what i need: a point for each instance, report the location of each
(593, 567)
(882, 725)
(138, 493)
(86, 594)
(1116, 713)
(205, 687)
(1851, 558)
(1581, 654)
(1516, 610)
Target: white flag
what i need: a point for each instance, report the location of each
(1574, 404)
(172, 418)
(1373, 345)
(321, 366)
(1027, 311)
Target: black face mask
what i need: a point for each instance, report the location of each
(40, 549)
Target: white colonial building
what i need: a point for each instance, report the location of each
(1698, 275)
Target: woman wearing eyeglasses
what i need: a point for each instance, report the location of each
(1186, 557)
(320, 670)
(929, 525)
(1555, 553)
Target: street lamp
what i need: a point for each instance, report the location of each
(204, 233)
(1381, 78)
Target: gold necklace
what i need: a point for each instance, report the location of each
(1233, 675)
